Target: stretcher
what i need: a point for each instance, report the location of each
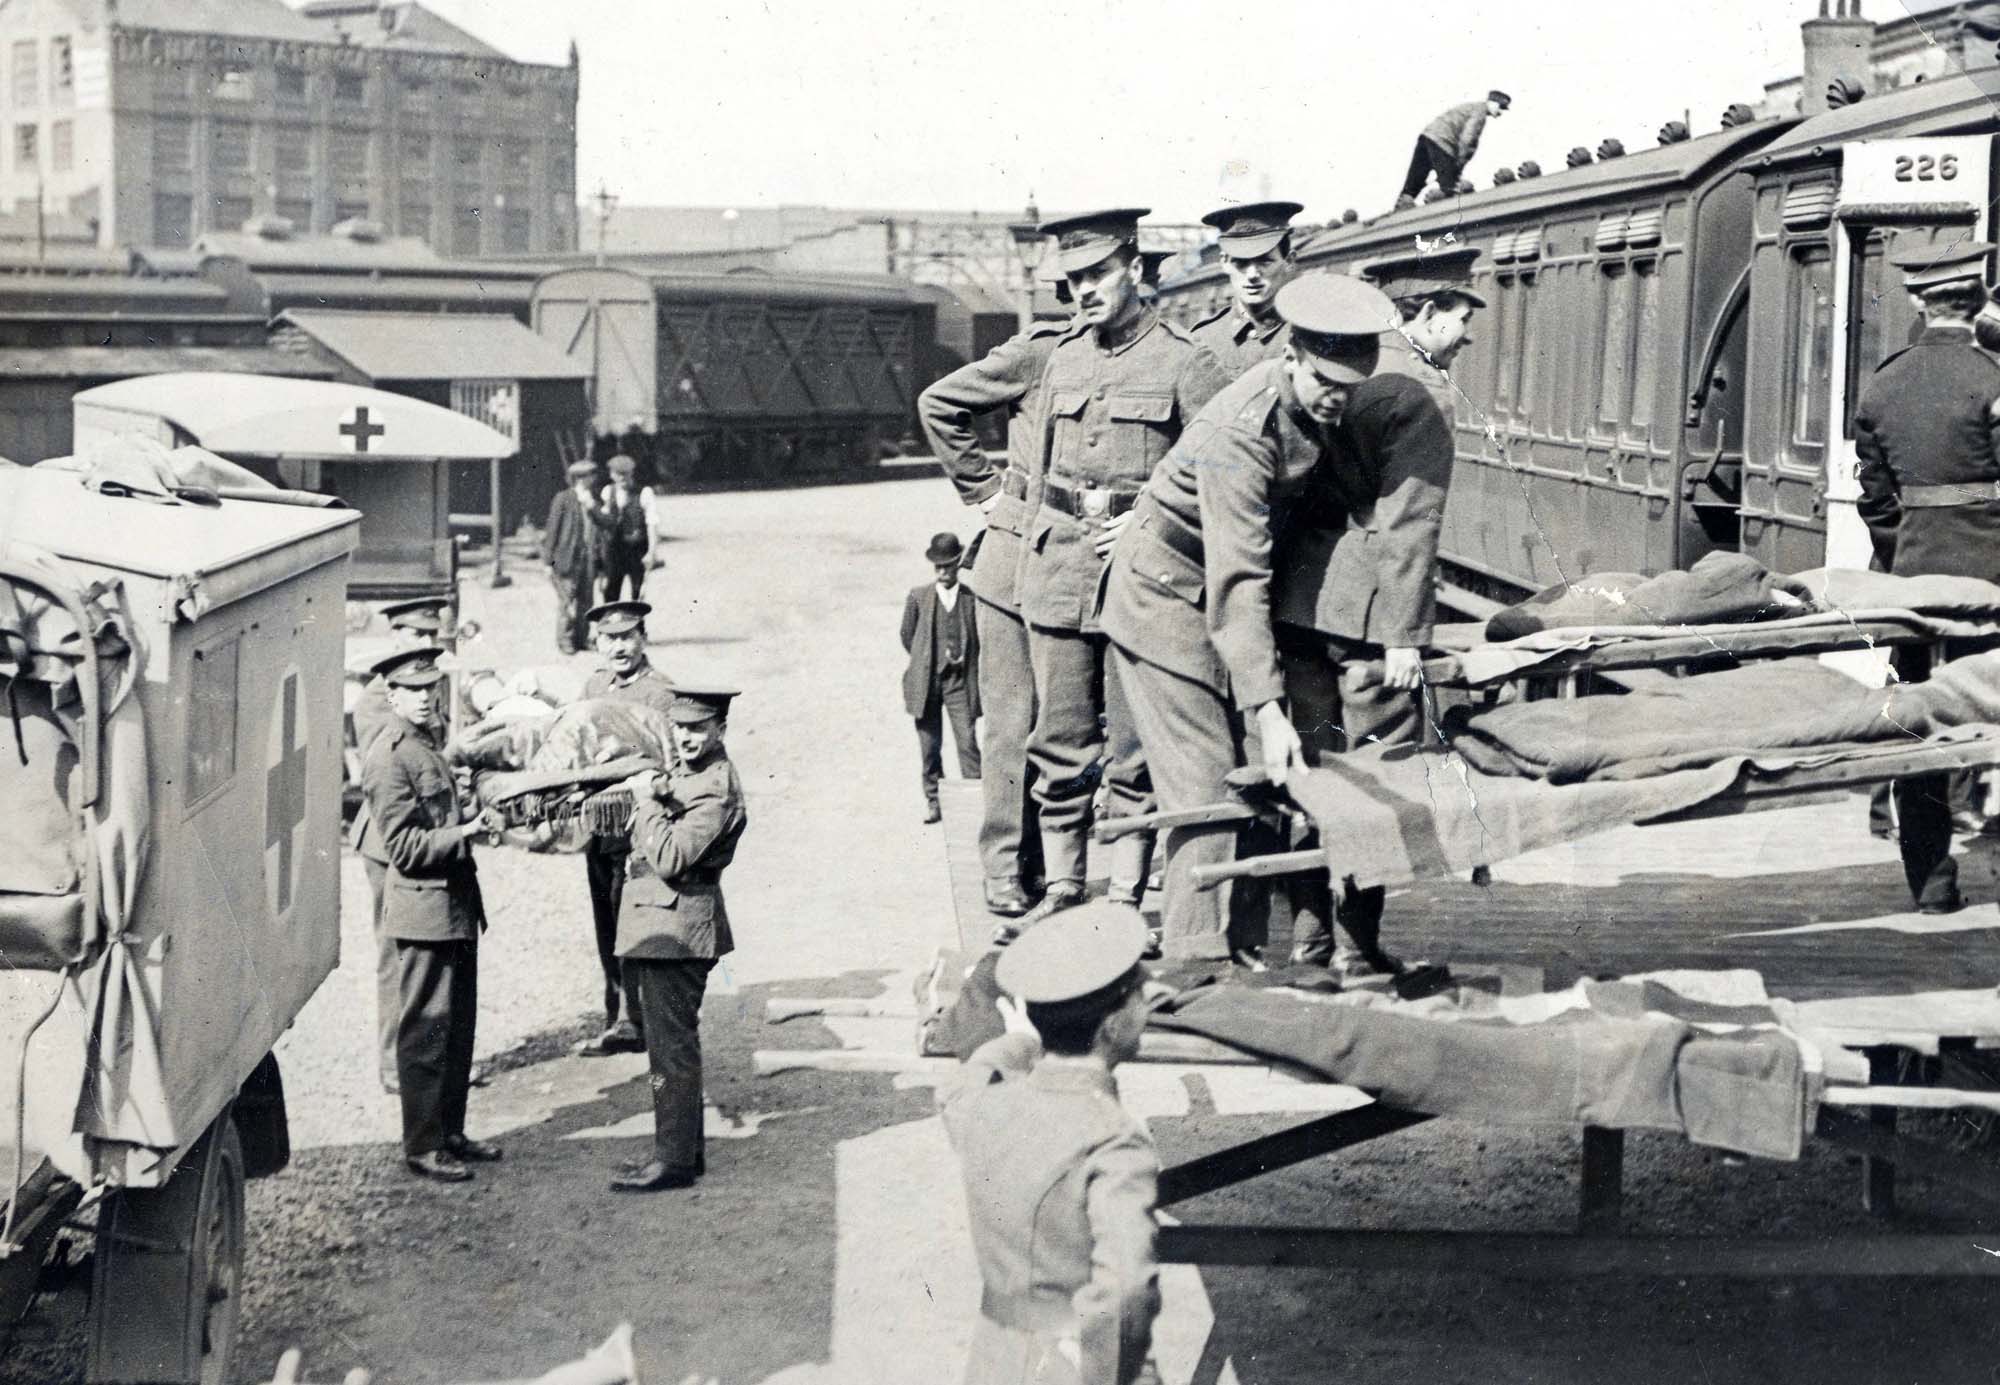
(1915, 1028)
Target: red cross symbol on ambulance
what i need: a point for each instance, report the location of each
(358, 428)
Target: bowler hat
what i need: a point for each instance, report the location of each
(944, 548)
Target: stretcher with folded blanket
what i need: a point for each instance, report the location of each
(554, 774)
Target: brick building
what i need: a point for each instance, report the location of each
(153, 122)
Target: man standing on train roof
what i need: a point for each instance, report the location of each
(1118, 389)
(1004, 378)
(1925, 433)
(1448, 143)
(433, 909)
(1061, 1181)
(1187, 603)
(1257, 255)
(673, 925)
(569, 547)
(618, 631)
(1355, 579)
(412, 625)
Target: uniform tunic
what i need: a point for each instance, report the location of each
(1112, 409)
(371, 713)
(672, 926)
(1187, 607)
(1005, 378)
(1061, 1184)
(604, 857)
(433, 909)
(1237, 340)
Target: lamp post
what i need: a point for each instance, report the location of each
(1029, 247)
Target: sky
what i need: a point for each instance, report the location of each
(1170, 104)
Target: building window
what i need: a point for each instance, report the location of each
(292, 148)
(350, 89)
(27, 146)
(62, 145)
(515, 228)
(413, 149)
(347, 153)
(465, 95)
(291, 84)
(173, 145)
(465, 153)
(173, 218)
(1811, 343)
(174, 81)
(298, 211)
(27, 74)
(413, 218)
(415, 94)
(211, 724)
(231, 146)
(62, 71)
(232, 84)
(514, 160)
(562, 177)
(350, 211)
(465, 229)
(231, 213)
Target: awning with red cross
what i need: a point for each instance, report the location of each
(265, 416)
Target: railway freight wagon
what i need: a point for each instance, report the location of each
(745, 378)
(1676, 338)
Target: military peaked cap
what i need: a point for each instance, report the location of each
(1080, 954)
(1093, 237)
(409, 668)
(617, 617)
(1435, 269)
(426, 615)
(1338, 321)
(692, 706)
(1251, 229)
(1937, 265)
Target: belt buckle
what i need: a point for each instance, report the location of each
(1096, 503)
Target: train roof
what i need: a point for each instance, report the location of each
(326, 289)
(760, 286)
(432, 346)
(1928, 108)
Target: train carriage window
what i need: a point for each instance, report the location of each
(1811, 343)
(211, 724)
(1867, 315)
(1527, 362)
(1615, 343)
(1645, 349)
(1504, 338)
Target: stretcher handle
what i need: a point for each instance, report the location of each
(1367, 673)
(1207, 815)
(1259, 868)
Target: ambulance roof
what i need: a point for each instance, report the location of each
(187, 544)
(268, 416)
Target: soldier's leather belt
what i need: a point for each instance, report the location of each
(1946, 496)
(1087, 502)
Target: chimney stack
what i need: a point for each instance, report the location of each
(1837, 44)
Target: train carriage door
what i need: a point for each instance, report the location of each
(1896, 197)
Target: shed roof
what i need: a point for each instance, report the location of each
(123, 362)
(435, 346)
(507, 293)
(235, 18)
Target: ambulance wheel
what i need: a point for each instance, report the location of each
(168, 1299)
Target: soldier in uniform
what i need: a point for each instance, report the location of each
(1256, 243)
(1435, 301)
(1356, 576)
(1930, 495)
(432, 908)
(1061, 1181)
(1187, 604)
(673, 925)
(412, 625)
(1009, 844)
(1119, 387)
(618, 631)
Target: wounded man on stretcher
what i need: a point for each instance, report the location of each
(556, 778)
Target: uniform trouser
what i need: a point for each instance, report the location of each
(624, 569)
(954, 696)
(1427, 157)
(1192, 738)
(1331, 720)
(1074, 684)
(388, 971)
(604, 869)
(434, 1039)
(1009, 849)
(574, 598)
(1923, 811)
(669, 994)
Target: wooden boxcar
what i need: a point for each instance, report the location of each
(749, 377)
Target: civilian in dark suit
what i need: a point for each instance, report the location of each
(569, 547)
(942, 638)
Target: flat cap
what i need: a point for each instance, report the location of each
(1338, 321)
(409, 668)
(1500, 96)
(944, 548)
(1251, 229)
(1074, 954)
(694, 705)
(617, 617)
(622, 465)
(426, 615)
(1427, 270)
(1092, 237)
(1937, 265)
(579, 470)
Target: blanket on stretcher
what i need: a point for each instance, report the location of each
(1641, 1053)
(551, 776)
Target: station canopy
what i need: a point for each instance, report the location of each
(436, 346)
(265, 416)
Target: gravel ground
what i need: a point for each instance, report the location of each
(764, 1272)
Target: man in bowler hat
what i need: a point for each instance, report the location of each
(569, 547)
(942, 640)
